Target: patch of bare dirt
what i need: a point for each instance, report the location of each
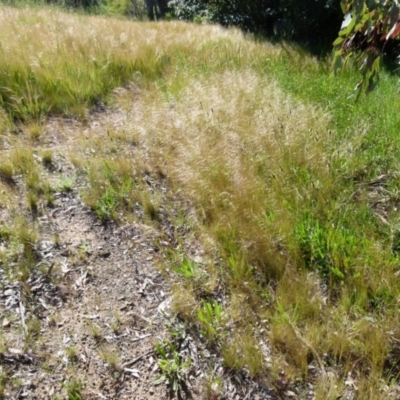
(97, 301)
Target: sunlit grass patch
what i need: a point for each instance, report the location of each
(265, 173)
(295, 199)
(58, 63)
(242, 149)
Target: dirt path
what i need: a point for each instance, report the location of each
(99, 322)
(86, 321)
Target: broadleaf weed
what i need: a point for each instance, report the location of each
(173, 369)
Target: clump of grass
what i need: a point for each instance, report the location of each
(22, 160)
(5, 122)
(49, 196)
(33, 182)
(116, 325)
(7, 172)
(112, 188)
(242, 350)
(184, 301)
(20, 258)
(74, 388)
(26, 235)
(231, 355)
(95, 332)
(150, 207)
(65, 185)
(47, 158)
(33, 328)
(5, 232)
(71, 353)
(37, 188)
(32, 202)
(34, 131)
(111, 358)
(213, 387)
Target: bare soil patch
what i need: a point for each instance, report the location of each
(96, 301)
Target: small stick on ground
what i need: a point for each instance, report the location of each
(135, 360)
(138, 339)
(22, 315)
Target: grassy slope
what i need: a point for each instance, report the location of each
(295, 187)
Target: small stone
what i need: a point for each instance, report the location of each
(104, 254)
(6, 323)
(15, 351)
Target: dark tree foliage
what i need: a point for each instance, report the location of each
(306, 20)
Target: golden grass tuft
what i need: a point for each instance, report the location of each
(237, 144)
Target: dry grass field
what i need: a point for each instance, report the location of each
(274, 219)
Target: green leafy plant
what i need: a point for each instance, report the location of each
(173, 369)
(209, 316)
(106, 205)
(186, 268)
(328, 248)
(74, 389)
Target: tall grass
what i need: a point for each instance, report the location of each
(295, 188)
(266, 175)
(57, 63)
